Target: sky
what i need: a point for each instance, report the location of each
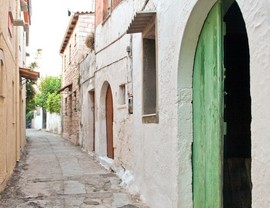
(49, 22)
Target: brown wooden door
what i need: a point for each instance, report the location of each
(109, 123)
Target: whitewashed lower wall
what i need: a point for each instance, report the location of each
(87, 102)
(53, 123)
(160, 155)
(38, 118)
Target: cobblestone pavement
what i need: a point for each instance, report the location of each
(55, 174)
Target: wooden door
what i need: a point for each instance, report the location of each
(109, 123)
(208, 113)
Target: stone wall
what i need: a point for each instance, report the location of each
(73, 54)
(87, 102)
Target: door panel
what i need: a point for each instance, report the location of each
(208, 113)
(109, 123)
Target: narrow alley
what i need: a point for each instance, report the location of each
(53, 173)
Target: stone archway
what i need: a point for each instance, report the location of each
(185, 87)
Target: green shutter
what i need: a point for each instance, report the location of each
(208, 113)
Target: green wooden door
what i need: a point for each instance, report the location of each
(208, 113)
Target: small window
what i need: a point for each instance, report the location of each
(122, 94)
(106, 8)
(70, 105)
(115, 3)
(69, 54)
(2, 78)
(149, 77)
(10, 24)
(75, 101)
(13, 103)
(75, 39)
(66, 107)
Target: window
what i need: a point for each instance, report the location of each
(66, 107)
(149, 77)
(10, 24)
(70, 105)
(115, 3)
(122, 94)
(69, 54)
(75, 39)
(13, 102)
(75, 101)
(1, 78)
(108, 6)
(104, 9)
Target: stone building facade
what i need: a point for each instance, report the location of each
(73, 51)
(149, 91)
(15, 19)
(87, 101)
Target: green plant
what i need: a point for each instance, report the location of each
(47, 86)
(48, 98)
(30, 91)
(53, 103)
(29, 115)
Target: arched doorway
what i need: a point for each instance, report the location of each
(237, 112)
(221, 112)
(109, 123)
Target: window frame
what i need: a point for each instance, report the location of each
(151, 117)
(122, 95)
(110, 7)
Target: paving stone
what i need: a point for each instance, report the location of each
(74, 187)
(56, 174)
(128, 206)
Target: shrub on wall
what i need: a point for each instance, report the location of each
(53, 103)
(47, 97)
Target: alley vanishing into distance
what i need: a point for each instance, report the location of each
(55, 174)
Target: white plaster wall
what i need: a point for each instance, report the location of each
(159, 155)
(148, 150)
(87, 81)
(113, 67)
(157, 160)
(37, 120)
(53, 123)
(257, 17)
(115, 75)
